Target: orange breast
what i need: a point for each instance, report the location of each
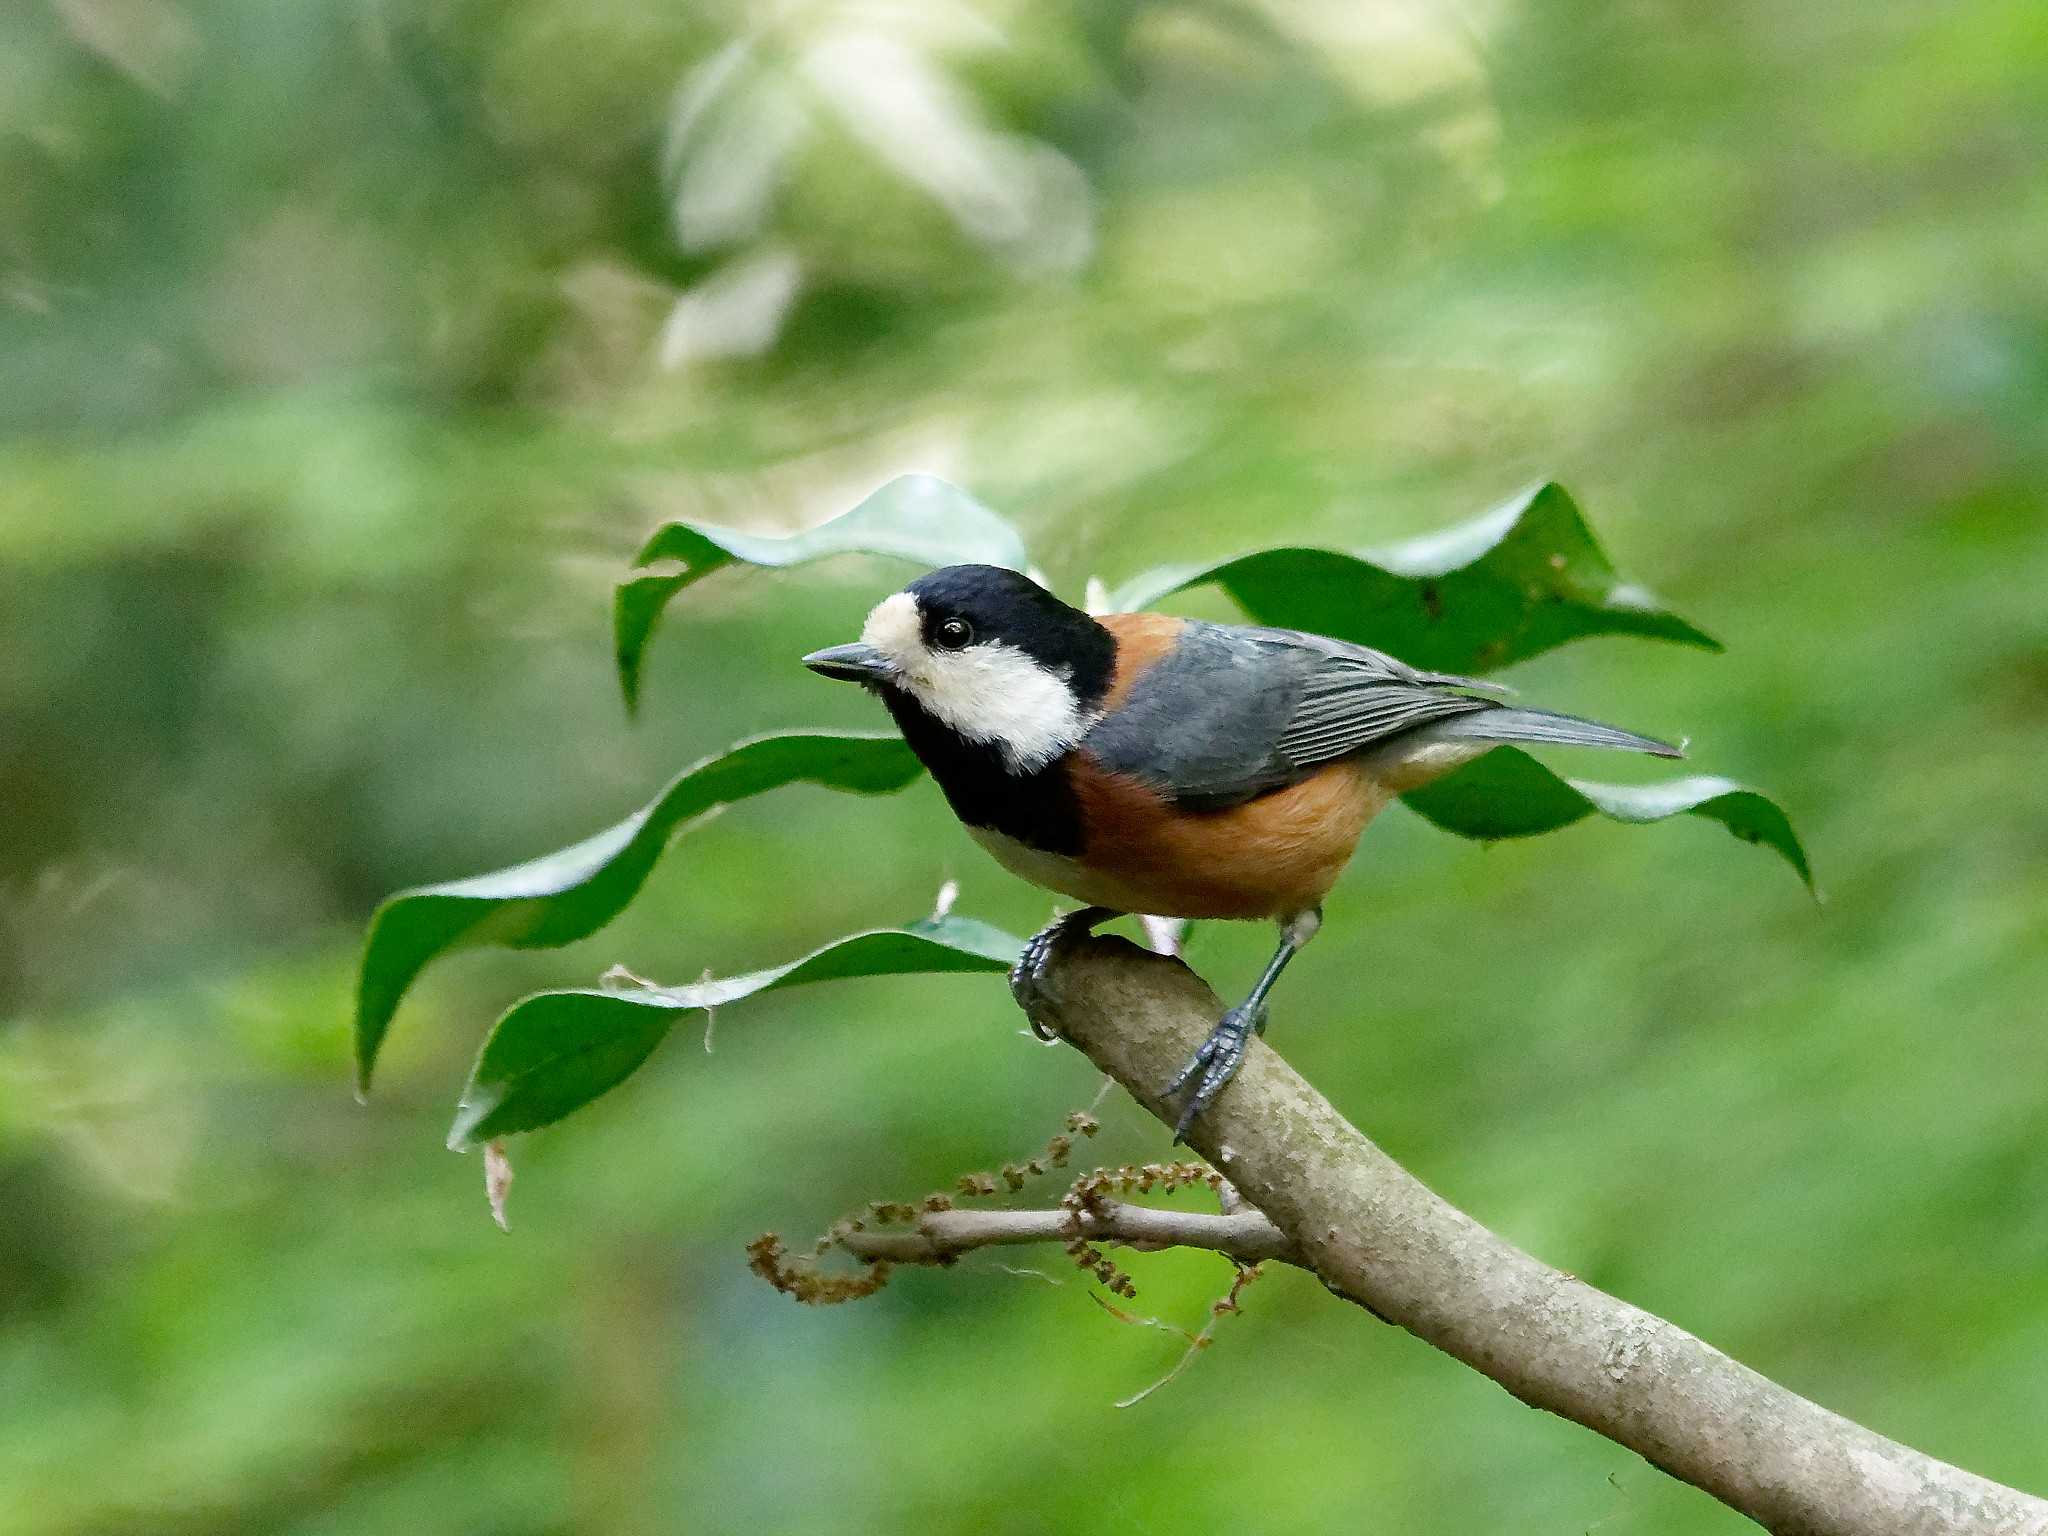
(1270, 857)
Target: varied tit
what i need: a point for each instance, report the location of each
(1147, 764)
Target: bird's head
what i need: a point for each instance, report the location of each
(986, 654)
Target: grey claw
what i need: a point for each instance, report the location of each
(1027, 976)
(1217, 1060)
(1196, 1062)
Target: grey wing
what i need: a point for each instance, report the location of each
(1236, 712)
(1366, 658)
(1345, 709)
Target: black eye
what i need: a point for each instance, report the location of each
(953, 634)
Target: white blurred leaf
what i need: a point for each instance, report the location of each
(1012, 193)
(497, 1180)
(736, 312)
(731, 133)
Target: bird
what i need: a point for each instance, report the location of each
(1145, 764)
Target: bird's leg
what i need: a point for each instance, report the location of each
(1219, 1056)
(1027, 976)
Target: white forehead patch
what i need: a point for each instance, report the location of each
(895, 628)
(989, 692)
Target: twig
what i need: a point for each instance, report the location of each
(867, 1234)
(940, 1237)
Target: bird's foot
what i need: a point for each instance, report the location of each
(1215, 1062)
(1027, 976)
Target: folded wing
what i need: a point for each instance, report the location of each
(1235, 712)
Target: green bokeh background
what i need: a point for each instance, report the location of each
(347, 351)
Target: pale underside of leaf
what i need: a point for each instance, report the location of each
(916, 518)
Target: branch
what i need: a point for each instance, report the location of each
(1376, 1236)
(940, 1236)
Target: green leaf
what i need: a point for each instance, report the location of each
(1507, 793)
(1505, 586)
(570, 894)
(554, 1052)
(914, 517)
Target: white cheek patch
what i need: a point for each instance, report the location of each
(998, 694)
(990, 692)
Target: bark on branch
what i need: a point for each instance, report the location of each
(1335, 1203)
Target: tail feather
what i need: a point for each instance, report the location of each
(1540, 727)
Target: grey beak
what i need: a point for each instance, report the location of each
(856, 663)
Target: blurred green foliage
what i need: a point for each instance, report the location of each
(348, 352)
